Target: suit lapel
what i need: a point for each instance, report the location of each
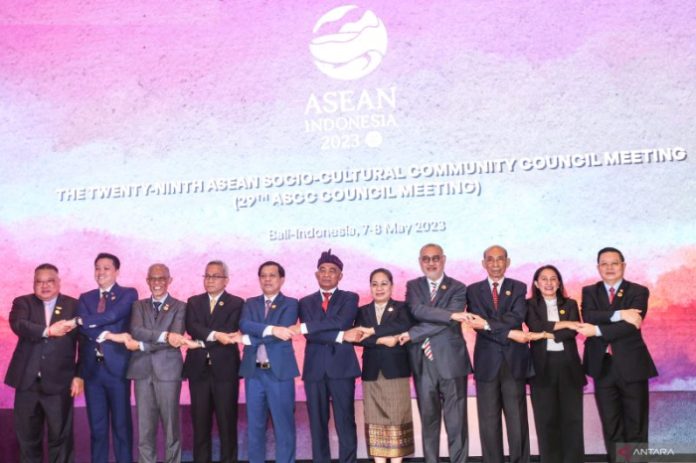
(487, 297)
(602, 295)
(275, 305)
(504, 295)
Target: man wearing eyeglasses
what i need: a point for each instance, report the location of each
(43, 370)
(212, 320)
(438, 354)
(157, 325)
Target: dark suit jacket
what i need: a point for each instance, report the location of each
(492, 346)
(323, 355)
(537, 321)
(281, 356)
(433, 321)
(224, 359)
(115, 319)
(630, 353)
(53, 357)
(158, 360)
(391, 361)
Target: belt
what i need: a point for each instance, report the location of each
(263, 365)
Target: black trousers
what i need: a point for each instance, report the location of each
(219, 398)
(623, 408)
(557, 403)
(505, 394)
(32, 409)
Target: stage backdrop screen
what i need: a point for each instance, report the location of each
(180, 132)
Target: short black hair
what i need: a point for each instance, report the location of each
(382, 270)
(281, 270)
(105, 255)
(610, 249)
(46, 266)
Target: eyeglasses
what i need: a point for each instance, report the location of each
(44, 282)
(157, 279)
(214, 277)
(429, 259)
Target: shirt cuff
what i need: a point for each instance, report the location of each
(162, 337)
(101, 336)
(616, 316)
(303, 328)
(141, 346)
(598, 332)
(339, 337)
(211, 336)
(246, 340)
(268, 331)
(45, 333)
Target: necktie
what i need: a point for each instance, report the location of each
(47, 312)
(101, 307)
(612, 292)
(427, 349)
(325, 301)
(495, 295)
(261, 354)
(156, 305)
(213, 301)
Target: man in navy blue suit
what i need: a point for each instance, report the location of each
(330, 366)
(502, 361)
(103, 317)
(269, 367)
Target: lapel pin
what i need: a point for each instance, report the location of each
(221, 303)
(507, 293)
(166, 307)
(113, 297)
(562, 311)
(443, 287)
(57, 310)
(390, 309)
(273, 306)
(620, 293)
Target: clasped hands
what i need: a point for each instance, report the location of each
(61, 328)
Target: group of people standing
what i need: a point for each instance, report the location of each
(122, 338)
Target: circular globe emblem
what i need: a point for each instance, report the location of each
(348, 50)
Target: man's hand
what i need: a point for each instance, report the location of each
(282, 332)
(77, 386)
(533, 336)
(518, 336)
(235, 337)
(353, 335)
(190, 344)
(223, 338)
(587, 329)
(59, 328)
(570, 325)
(132, 344)
(459, 316)
(175, 339)
(475, 321)
(295, 329)
(404, 338)
(632, 316)
(389, 341)
(121, 338)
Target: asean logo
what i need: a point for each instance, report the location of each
(355, 50)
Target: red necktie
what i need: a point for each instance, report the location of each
(325, 302)
(101, 307)
(611, 294)
(495, 295)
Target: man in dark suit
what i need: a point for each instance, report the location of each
(42, 369)
(616, 356)
(212, 319)
(103, 317)
(330, 366)
(438, 354)
(502, 361)
(269, 366)
(157, 326)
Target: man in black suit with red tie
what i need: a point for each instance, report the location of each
(330, 366)
(616, 356)
(502, 361)
(43, 370)
(212, 320)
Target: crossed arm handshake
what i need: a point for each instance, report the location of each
(360, 333)
(631, 316)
